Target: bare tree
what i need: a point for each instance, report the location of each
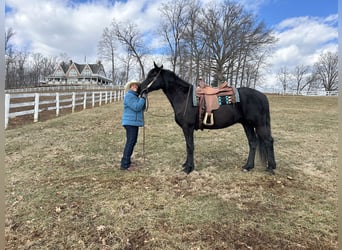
(217, 23)
(326, 70)
(129, 36)
(175, 18)
(253, 52)
(284, 78)
(258, 63)
(9, 58)
(48, 66)
(107, 47)
(126, 62)
(8, 35)
(37, 65)
(194, 43)
(20, 68)
(63, 57)
(302, 77)
(235, 41)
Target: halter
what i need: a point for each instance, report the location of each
(153, 80)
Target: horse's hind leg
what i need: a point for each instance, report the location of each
(252, 142)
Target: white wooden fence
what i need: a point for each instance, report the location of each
(318, 92)
(55, 101)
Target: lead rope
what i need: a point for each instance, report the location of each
(144, 145)
(146, 108)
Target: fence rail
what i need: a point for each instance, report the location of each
(34, 103)
(294, 92)
(65, 88)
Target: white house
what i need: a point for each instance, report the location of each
(79, 74)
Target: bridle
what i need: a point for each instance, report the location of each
(150, 84)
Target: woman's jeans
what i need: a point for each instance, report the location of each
(131, 140)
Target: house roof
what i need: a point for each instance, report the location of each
(64, 67)
(96, 68)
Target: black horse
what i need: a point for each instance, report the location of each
(252, 112)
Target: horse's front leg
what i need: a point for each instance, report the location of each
(189, 166)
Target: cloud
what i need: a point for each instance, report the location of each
(60, 26)
(253, 5)
(53, 27)
(75, 27)
(302, 39)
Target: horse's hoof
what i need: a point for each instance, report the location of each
(187, 170)
(245, 170)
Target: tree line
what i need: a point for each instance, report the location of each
(322, 75)
(219, 41)
(24, 69)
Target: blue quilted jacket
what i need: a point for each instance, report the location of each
(134, 106)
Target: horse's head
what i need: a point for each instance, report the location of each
(153, 80)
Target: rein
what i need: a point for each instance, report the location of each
(187, 101)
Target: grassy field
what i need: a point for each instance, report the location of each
(64, 189)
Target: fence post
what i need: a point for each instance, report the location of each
(73, 102)
(36, 107)
(85, 100)
(106, 97)
(110, 96)
(7, 108)
(57, 103)
(93, 99)
(100, 102)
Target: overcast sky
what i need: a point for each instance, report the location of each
(304, 28)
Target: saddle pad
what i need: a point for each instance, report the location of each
(195, 98)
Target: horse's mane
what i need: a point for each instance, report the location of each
(176, 79)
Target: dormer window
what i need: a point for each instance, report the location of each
(59, 72)
(87, 72)
(73, 72)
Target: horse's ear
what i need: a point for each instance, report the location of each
(156, 66)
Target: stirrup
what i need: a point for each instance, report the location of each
(211, 116)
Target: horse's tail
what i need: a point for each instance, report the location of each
(263, 134)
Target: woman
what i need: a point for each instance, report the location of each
(132, 119)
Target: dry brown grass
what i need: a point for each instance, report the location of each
(64, 189)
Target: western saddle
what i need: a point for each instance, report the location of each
(210, 99)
